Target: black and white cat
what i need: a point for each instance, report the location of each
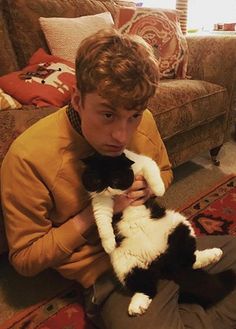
(148, 242)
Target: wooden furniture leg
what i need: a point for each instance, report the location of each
(214, 152)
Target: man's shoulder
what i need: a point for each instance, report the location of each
(146, 139)
(39, 137)
(147, 126)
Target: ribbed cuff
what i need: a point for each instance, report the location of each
(68, 236)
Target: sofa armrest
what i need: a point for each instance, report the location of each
(213, 58)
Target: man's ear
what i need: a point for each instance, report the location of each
(76, 99)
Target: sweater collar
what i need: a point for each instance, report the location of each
(74, 118)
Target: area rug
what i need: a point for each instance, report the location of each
(214, 212)
(63, 311)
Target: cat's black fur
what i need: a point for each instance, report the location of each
(103, 171)
(196, 285)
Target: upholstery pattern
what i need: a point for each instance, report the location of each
(195, 140)
(216, 62)
(24, 14)
(183, 104)
(161, 29)
(8, 59)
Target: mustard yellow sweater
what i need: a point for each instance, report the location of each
(41, 190)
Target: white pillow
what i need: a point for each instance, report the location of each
(64, 35)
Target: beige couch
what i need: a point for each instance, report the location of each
(191, 114)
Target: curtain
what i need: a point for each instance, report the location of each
(182, 5)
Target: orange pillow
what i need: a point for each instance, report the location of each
(161, 29)
(47, 80)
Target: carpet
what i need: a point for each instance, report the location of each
(63, 311)
(213, 212)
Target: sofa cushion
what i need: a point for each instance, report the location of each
(182, 104)
(64, 35)
(23, 19)
(8, 60)
(161, 29)
(47, 80)
(194, 141)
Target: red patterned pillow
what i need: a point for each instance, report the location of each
(161, 29)
(47, 80)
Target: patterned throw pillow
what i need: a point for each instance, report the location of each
(47, 81)
(7, 102)
(64, 35)
(161, 29)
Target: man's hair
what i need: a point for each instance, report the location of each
(121, 68)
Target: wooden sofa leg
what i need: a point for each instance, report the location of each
(214, 152)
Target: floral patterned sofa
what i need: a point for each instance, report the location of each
(192, 114)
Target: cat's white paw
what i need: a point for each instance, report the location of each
(206, 257)
(158, 189)
(139, 304)
(109, 245)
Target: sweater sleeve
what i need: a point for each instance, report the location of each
(34, 243)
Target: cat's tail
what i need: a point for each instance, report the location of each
(201, 287)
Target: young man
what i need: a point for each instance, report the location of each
(48, 216)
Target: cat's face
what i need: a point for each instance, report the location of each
(113, 174)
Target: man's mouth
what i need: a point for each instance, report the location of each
(116, 148)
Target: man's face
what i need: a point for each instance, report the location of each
(107, 129)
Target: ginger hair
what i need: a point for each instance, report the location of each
(121, 68)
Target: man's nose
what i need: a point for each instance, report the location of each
(120, 133)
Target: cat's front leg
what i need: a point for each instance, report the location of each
(103, 213)
(152, 175)
(206, 257)
(109, 245)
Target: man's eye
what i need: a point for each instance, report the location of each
(136, 115)
(108, 115)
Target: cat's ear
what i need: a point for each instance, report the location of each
(90, 160)
(130, 162)
(126, 160)
(86, 161)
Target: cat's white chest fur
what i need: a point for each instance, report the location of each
(142, 243)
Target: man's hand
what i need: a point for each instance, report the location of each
(136, 195)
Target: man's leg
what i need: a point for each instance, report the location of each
(164, 311)
(222, 315)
